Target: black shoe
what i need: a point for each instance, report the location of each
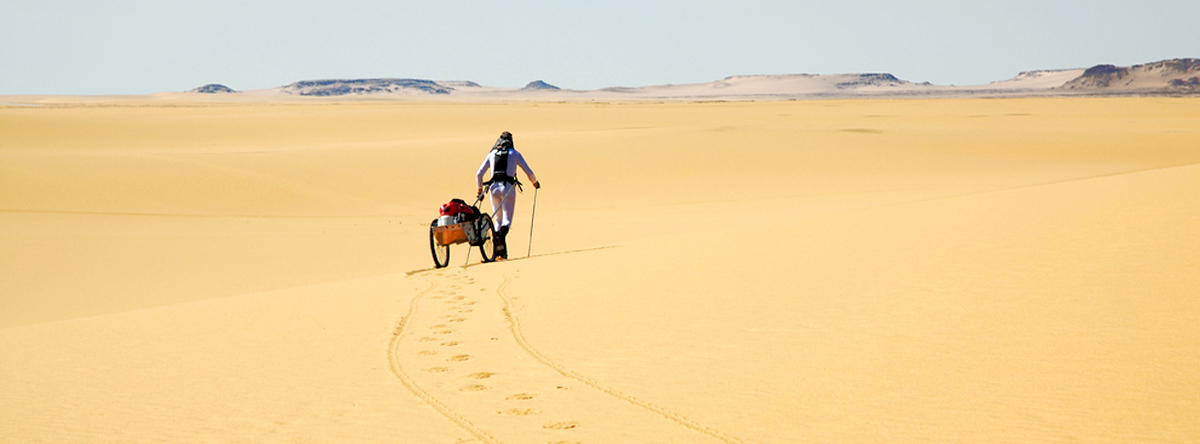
(501, 243)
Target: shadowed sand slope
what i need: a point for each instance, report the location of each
(1017, 270)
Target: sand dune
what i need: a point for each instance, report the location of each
(1031, 81)
(248, 270)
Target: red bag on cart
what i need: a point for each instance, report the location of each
(456, 207)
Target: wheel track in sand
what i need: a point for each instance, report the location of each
(672, 416)
(543, 387)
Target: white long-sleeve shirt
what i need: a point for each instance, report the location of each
(515, 159)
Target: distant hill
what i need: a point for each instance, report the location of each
(538, 85)
(213, 88)
(1167, 76)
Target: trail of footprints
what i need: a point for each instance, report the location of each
(455, 356)
(457, 350)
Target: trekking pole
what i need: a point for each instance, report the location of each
(531, 215)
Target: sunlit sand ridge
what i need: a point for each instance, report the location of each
(1017, 270)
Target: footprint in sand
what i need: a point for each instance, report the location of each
(459, 358)
(564, 425)
(481, 375)
(520, 397)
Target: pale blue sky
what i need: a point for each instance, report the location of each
(147, 46)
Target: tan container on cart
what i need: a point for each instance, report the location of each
(450, 234)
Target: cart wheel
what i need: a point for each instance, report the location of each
(441, 253)
(487, 249)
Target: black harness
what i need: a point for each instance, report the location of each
(500, 171)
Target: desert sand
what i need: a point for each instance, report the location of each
(843, 271)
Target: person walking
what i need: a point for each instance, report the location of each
(503, 161)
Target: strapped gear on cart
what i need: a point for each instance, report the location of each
(461, 223)
(459, 210)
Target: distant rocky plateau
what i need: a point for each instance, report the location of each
(341, 87)
(882, 79)
(1172, 77)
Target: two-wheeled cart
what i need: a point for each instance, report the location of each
(464, 226)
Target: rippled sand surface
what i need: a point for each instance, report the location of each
(1012, 270)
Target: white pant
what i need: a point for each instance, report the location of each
(504, 201)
